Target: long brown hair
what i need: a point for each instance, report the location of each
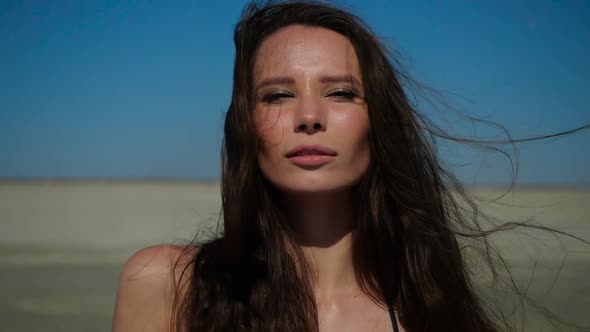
(406, 244)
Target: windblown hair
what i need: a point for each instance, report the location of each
(411, 211)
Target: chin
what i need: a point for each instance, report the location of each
(314, 184)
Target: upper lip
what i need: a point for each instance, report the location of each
(314, 149)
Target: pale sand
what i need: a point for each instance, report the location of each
(62, 246)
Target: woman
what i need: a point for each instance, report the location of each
(337, 215)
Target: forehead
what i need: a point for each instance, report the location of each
(298, 49)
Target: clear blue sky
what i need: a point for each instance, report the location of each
(139, 88)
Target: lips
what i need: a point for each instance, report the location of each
(310, 150)
(311, 157)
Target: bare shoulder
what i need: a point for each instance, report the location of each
(147, 285)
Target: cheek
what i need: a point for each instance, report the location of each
(363, 149)
(353, 128)
(270, 128)
(355, 135)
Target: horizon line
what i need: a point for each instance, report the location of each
(207, 180)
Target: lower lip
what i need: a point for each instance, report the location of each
(311, 160)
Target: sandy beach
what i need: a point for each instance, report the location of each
(62, 246)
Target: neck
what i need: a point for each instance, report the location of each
(324, 225)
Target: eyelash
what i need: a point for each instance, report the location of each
(346, 95)
(275, 97)
(342, 95)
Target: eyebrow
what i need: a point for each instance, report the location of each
(340, 79)
(324, 79)
(275, 80)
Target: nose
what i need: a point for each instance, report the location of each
(310, 116)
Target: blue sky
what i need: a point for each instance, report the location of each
(133, 89)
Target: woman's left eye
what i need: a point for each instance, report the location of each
(343, 95)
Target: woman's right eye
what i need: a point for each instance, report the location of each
(276, 97)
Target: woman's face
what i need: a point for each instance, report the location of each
(310, 110)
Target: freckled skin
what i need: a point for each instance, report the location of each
(307, 108)
(302, 98)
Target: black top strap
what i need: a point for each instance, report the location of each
(393, 319)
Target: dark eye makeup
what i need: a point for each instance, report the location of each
(275, 97)
(341, 95)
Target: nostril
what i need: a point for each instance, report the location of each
(304, 127)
